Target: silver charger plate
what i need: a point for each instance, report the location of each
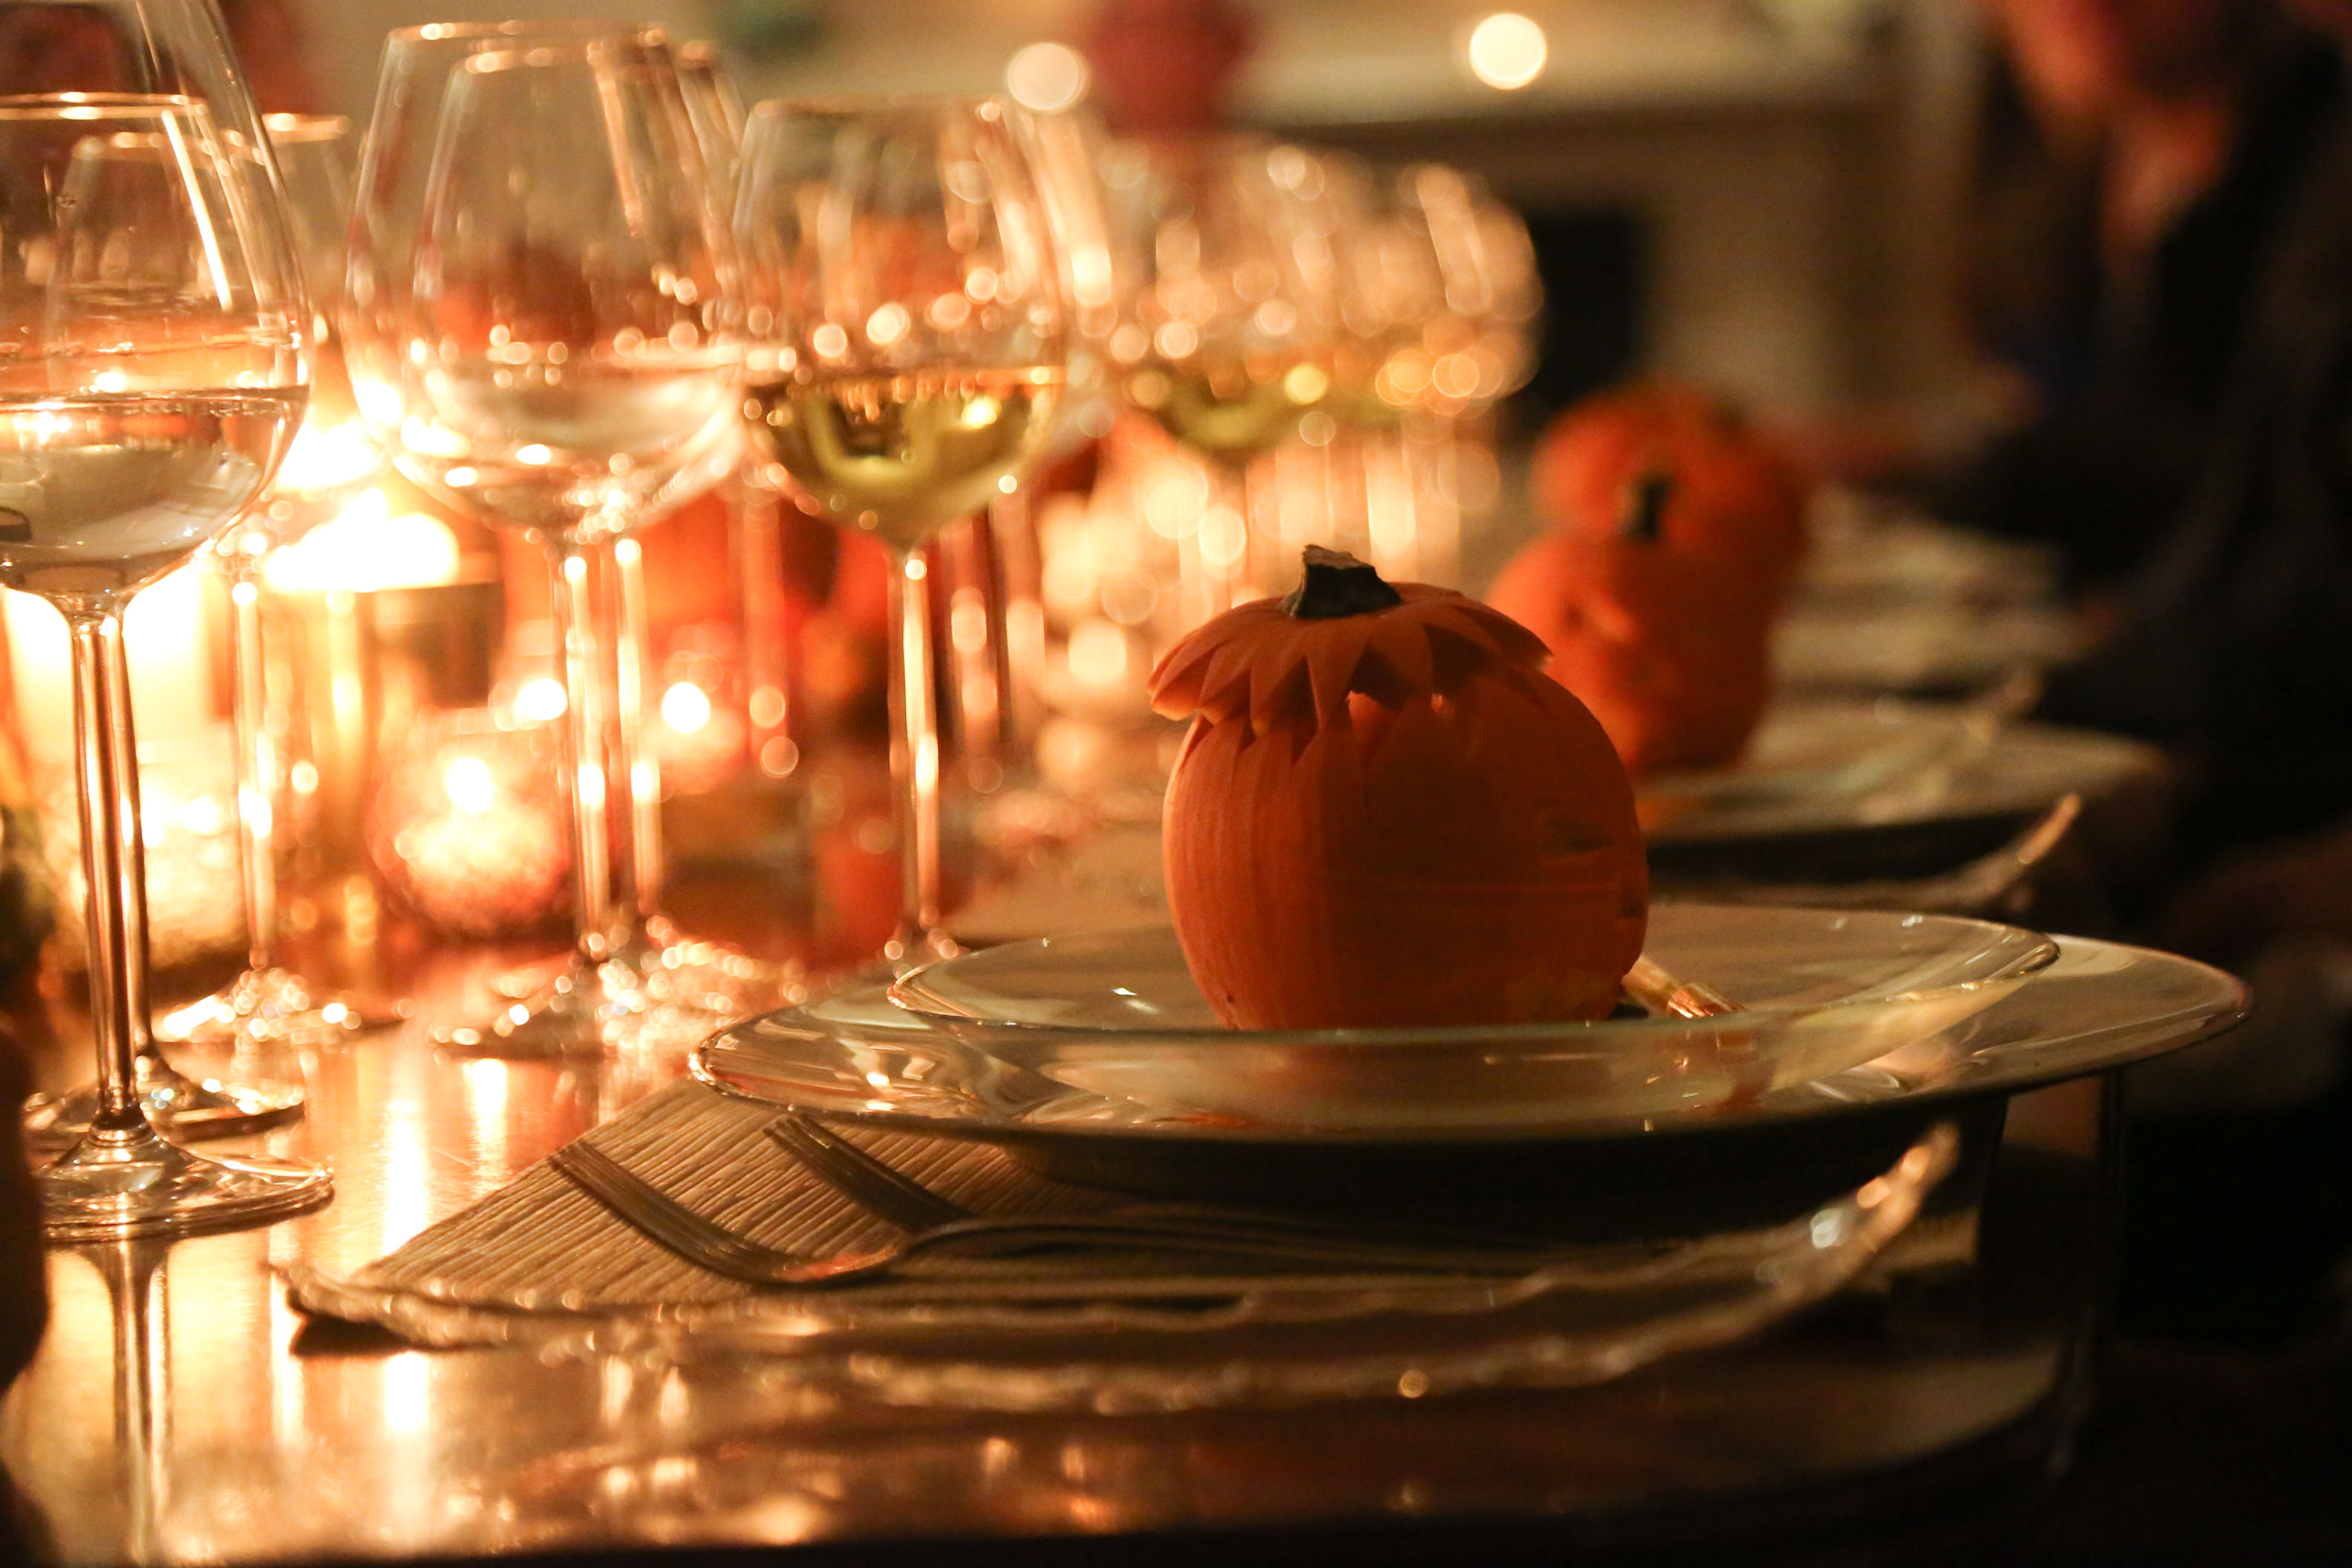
(2101, 1005)
(1818, 991)
(1831, 766)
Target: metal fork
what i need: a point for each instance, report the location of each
(707, 1245)
(892, 1196)
(881, 1189)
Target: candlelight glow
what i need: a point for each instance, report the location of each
(540, 701)
(1098, 654)
(684, 709)
(365, 548)
(1507, 51)
(1047, 78)
(471, 788)
(322, 460)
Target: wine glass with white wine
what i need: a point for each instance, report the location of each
(152, 375)
(905, 360)
(1229, 326)
(265, 1006)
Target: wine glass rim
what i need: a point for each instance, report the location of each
(96, 105)
(557, 26)
(297, 128)
(871, 103)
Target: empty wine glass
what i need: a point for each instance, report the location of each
(332, 460)
(715, 110)
(715, 978)
(541, 327)
(905, 358)
(1473, 352)
(150, 379)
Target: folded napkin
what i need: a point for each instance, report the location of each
(538, 1262)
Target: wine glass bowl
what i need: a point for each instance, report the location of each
(1230, 324)
(906, 356)
(913, 356)
(153, 372)
(578, 359)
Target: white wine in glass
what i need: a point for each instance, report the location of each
(906, 361)
(153, 378)
(1229, 324)
(329, 461)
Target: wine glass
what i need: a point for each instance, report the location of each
(265, 1004)
(707, 976)
(1473, 352)
(1397, 333)
(542, 327)
(152, 377)
(332, 460)
(715, 110)
(1228, 327)
(906, 359)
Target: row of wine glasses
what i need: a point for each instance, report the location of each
(569, 343)
(565, 336)
(1273, 291)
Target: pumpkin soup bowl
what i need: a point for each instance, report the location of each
(1817, 992)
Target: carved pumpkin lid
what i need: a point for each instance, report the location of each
(1344, 631)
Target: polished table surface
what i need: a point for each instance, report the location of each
(182, 1411)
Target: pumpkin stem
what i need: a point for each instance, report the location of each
(1335, 585)
(1645, 516)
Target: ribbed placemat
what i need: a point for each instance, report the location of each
(540, 1245)
(540, 1262)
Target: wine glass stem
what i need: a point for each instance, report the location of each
(105, 756)
(134, 887)
(600, 907)
(914, 752)
(634, 637)
(255, 764)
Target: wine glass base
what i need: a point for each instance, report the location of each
(707, 976)
(186, 1109)
(102, 1190)
(911, 949)
(272, 1007)
(585, 1010)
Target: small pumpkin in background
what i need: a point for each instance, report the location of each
(1386, 814)
(1676, 529)
(1666, 462)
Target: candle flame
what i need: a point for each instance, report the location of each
(471, 788)
(366, 549)
(684, 709)
(540, 701)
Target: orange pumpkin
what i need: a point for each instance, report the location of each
(1672, 653)
(1677, 529)
(1665, 461)
(1385, 812)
